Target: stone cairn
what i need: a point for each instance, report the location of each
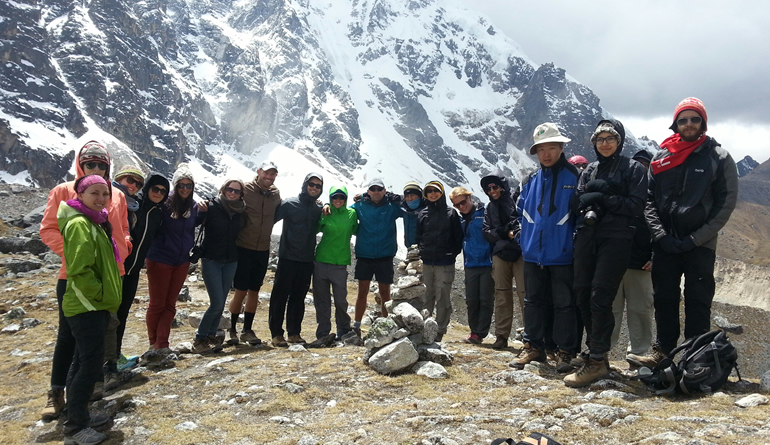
(405, 340)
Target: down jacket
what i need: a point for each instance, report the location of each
(439, 233)
(499, 218)
(301, 215)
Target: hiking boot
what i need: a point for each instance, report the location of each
(564, 362)
(216, 343)
(279, 342)
(580, 360)
(232, 337)
(528, 355)
(591, 372)
(438, 337)
(98, 393)
(474, 339)
(54, 405)
(296, 340)
(550, 354)
(111, 381)
(500, 342)
(250, 337)
(201, 346)
(649, 361)
(86, 436)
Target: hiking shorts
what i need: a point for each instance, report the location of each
(379, 268)
(252, 266)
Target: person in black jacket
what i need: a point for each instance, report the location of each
(507, 263)
(609, 200)
(296, 253)
(635, 291)
(222, 220)
(149, 218)
(440, 239)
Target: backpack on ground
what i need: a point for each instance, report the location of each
(707, 361)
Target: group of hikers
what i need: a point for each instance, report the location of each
(581, 241)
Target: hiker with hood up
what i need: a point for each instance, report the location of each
(411, 205)
(332, 258)
(440, 238)
(507, 262)
(610, 198)
(296, 252)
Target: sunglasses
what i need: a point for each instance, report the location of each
(608, 139)
(188, 186)
(136, 182)
(376, 188)
(315, 185)
(432, 190)
(492, 187)
(93, 165)
(461, 203)
(156, 189)
(232, 190)
(338, 198)
(683, 121)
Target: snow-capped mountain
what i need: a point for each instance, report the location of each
(403, 89)
(746, 165)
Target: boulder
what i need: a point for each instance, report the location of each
(406, 316)
(16, 266)
(764, 382)
(752, 401)
(394, 357)
(407, 281)
(380, 333)
(430, 370)
(430, 331)
(434, 353)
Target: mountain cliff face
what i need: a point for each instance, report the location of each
(746, 165)
(413, 89)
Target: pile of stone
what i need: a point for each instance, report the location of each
(409, 287)
(404, 341)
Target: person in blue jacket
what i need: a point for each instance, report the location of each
(411, 205)
(477, 258)
(376, 244)
(545, 227)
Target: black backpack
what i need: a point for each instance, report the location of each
(707, 362)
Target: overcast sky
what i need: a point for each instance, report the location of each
(642, 57)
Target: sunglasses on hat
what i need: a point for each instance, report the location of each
(94, 165)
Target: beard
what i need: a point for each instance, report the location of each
(691, 136)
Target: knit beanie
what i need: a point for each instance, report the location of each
(434, 184)
(182, 172)
(413, 187)
(129, 170)
(93, 151)
(691, 103)
(604, 128)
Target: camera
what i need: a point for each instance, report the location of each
(592, 215)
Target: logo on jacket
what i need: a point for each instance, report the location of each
(698, 170)
(568, 187)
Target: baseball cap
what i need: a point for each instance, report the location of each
(547, 132)
(268, 165)
(376, 182)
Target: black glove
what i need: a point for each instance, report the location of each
(598, 185)
(669, 244)
(393, 197)
(687, 244)
(587, 199)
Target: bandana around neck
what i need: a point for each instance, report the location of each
(679, 150)
(97, 218)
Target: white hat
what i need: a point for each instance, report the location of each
(268, 165)
(547, 132)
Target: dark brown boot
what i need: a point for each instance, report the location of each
(500, 343)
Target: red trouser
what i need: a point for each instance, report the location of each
(165, 282)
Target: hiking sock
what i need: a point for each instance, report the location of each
(248, 319)
(234, 322)
(357, 325)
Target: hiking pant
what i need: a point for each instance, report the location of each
(504, 273)
(292, 282)
(549, 289)
(480, 299)
(599, 267)
(218, 277)
(165, 281)
(65, 344)
(111, 340)
(697, 266)
(88, 330)
(328, 280)
(130, 284)
(635, 298)
(438, 285)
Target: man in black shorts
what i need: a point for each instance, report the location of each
(262, 198)
(376, 244)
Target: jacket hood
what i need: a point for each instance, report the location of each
(495, 177)
(154, 178)
(618, 126)
(317, 175)
(89, 147)
(336, 189)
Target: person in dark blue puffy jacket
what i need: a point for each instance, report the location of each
(411, 205)
(477, 258)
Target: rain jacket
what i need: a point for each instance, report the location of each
(336, 229)
(477, 251)
(499, 218)
(439, 232)
(376, 236)
(149, 218)
(93, 280)
(301, 215)
(259, 216)
(118, 217)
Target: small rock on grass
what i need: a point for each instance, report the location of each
(752, 401)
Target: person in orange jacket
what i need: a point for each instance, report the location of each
(92, 158)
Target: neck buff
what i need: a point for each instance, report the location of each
(414, 203)
(680, 150)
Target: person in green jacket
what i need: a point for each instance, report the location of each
(93, 293)
(332, 258)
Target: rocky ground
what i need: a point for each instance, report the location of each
(254, 395)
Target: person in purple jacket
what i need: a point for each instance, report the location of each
(169, 257)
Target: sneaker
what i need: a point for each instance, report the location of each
(474, 339)
(232, 337)
(279, 342)
(650, 361)
(500, 342)
(296, 340)
(98, 393)
(528, 355)
(98, 419)
(250, 337)
(216, 343)
(127, 363)
(580, 360)
(564, 362)
(54, 405)
(201, 346)
(589, 373)
(86, 436)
